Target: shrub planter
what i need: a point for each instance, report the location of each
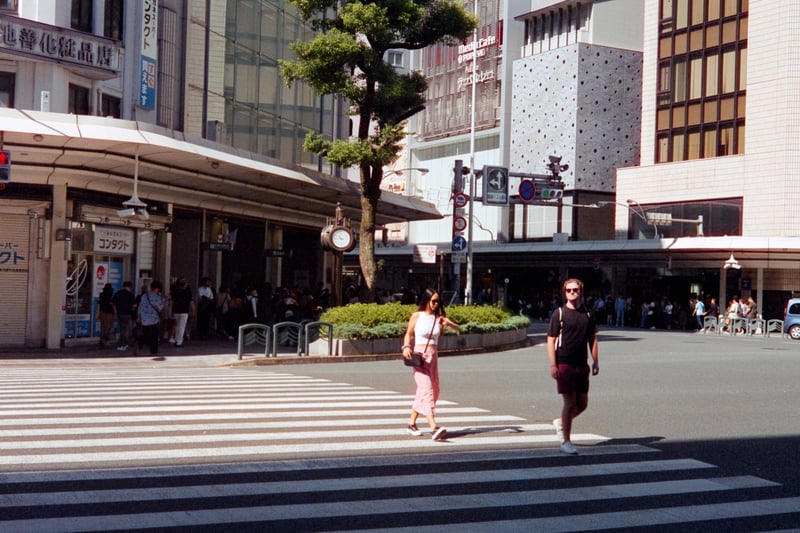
(448, 343)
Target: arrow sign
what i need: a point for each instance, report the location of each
(459, 244)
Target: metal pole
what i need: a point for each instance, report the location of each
(473, 177)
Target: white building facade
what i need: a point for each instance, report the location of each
(153, 139)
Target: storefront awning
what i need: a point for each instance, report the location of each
(98, 153)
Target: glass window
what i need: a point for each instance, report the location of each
(710, 111)
(725, 145)
(666, 9)
(394, 58)
(680, 81)
(678, 147)
(6, 89)
(247, 25)
(662, 155)
(694, 115)
(697, 11)
(693, 148)
(78, 100)
(729, 7)
(681, 14)
(112, 107)
(81, 15)
(696, 78)
(740, 139)
(712, 36)
(710, 143)
(742, 69)
(113, 21)
(729, 32)
(728, 71)
(713, 10)
(712, 74)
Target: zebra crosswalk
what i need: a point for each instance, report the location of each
(219, 449)
(67, 418)
(608, 487)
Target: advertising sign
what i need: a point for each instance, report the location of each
(148, 55)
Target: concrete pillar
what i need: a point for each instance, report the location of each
(59, 251)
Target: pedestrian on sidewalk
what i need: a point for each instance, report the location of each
(124, 302)
(106, 314)
(151, 304)
(572, 335)
(422, 335)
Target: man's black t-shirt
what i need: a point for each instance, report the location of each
(124, 300)
(578, 329)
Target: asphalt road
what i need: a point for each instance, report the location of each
(719, 398)
(697, 433)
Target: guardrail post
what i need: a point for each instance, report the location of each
(317, 327)
(251, 334)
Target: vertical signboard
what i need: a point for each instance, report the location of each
(148, 54)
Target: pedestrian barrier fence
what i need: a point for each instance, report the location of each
(312, 332)
(756, 326)
(742, 326)
(774, 325)
(710, 324)
(287, 334)
(254, 334)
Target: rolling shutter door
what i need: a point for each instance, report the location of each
(14, 266)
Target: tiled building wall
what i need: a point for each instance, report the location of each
(580, 102)
(767, 176)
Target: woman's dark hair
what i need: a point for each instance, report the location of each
(426, 297)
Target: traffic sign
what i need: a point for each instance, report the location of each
(527, 190)
(459, 223)
(459, 244)
(495, 185)
(460, 199)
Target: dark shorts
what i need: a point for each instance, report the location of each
(573, 379)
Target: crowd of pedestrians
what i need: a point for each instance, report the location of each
(180, 313)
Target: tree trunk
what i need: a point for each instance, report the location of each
(370, 195)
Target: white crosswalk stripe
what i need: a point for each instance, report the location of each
(96, 451)
(113, 417)
(369, 493)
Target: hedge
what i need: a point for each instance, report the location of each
(385, 321)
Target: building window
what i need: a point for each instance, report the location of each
(78, 100)
(113, 19)
(81, 18)
(702, 57)
(395, 59)
(719, 217)
(6, 89)
(111, 106)
(8, 5)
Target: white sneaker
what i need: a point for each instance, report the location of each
(122, 348)
(438, 433)
(559, 430)
(172, 340)
(568, 448)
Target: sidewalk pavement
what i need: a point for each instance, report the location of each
(213, 352)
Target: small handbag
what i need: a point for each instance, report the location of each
(418, 358)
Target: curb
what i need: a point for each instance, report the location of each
(321, 359)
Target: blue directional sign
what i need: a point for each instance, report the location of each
(459, 244)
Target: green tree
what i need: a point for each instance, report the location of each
(346, 58)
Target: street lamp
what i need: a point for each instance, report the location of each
(632, 206)
(732, 263)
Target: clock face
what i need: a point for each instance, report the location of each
(341, 238)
